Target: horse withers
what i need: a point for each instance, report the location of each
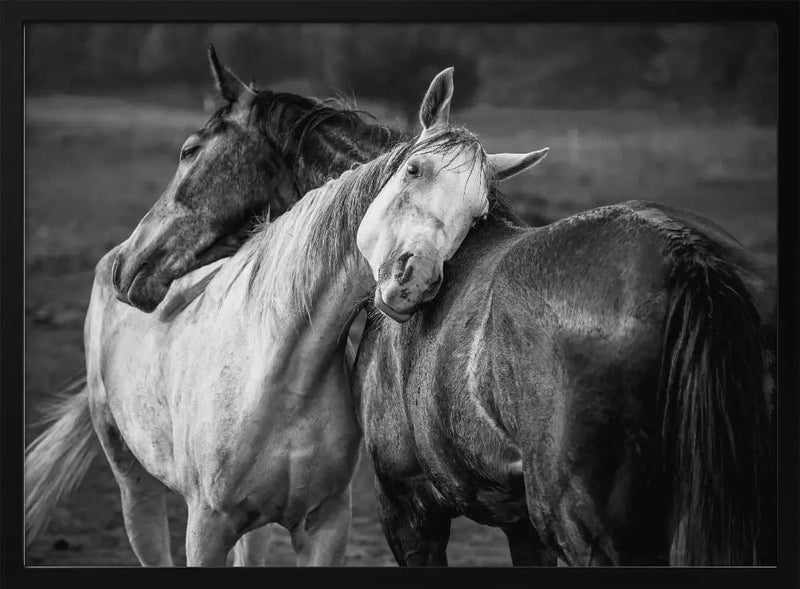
(594, 387)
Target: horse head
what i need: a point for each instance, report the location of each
(228, 172)
(423, 213)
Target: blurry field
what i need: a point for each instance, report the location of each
(95, 165)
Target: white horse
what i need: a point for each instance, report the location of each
(235, 392)
(239, 401)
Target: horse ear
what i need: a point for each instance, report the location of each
(506, 165)
(229, 87)
(435, 108)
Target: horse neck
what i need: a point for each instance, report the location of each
(335, 303)
(302, 338)
(310, 345)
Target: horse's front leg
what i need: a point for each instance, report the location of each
(321, 540)
(415, 525)
(252, 549)
(527, 548)
(210, 535)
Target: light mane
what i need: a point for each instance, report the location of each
(312, 240)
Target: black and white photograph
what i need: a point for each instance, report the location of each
(381, 294)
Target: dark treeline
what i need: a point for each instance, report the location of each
(727, 69)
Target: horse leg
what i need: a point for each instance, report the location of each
(210, 535)
(143, 497)
(321, 540)
(416, 527)
(575, 531)
(527, 548)
(251, 549)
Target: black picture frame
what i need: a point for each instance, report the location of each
(15, 15)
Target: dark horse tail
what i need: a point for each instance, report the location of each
(715, 410)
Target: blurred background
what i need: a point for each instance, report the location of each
(680, 114)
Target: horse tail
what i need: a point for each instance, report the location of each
(57, 460)
(716, 430)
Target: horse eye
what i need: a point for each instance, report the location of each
(189, 151)
(412, 169)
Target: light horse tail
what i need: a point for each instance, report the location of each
(716, 421)
(57, 460)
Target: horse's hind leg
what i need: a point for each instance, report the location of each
(416, 527)
(321, 540)
(527, 548)
(251, 550)
(143, 498)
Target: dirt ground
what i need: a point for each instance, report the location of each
(95, 165)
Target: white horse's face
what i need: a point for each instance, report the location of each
(418, 221)
(423, 213)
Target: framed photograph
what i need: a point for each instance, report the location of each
(504, 287)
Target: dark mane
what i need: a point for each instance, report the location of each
(319, 139)
(501, 208)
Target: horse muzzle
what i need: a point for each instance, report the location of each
(137, 285)
(414, 280)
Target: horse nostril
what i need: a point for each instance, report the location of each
(404, 270)
(116, 272)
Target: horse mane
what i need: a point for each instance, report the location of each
(317, 236)
(293, 121)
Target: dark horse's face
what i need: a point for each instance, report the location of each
(228, 173)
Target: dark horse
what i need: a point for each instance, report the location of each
(601, 378)
(616, 354)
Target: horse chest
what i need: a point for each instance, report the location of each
(472, 472)
(422, 423)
